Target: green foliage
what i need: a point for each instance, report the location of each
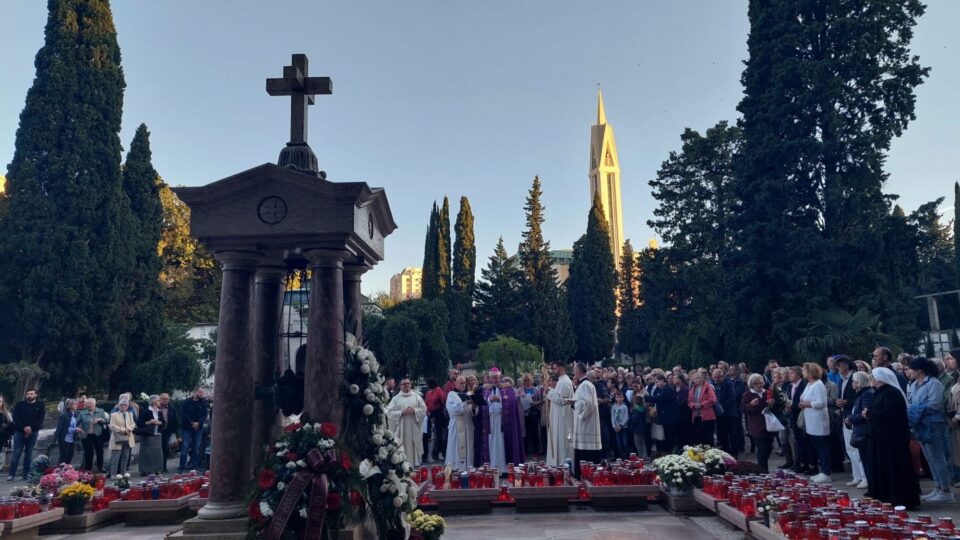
(431, 321)
(460, 300)
(511, 355)
(956, 232)
(443, 250)
(856, 334)
(401, 346)
(144, 305)
(545, 320)
(591, 289)
(498, 303)
(429, 286)
(177, 365)
(189, 276)
(66, 257)
(632, 337)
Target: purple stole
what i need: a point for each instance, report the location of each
(510, 423)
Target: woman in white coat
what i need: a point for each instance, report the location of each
(816, 418)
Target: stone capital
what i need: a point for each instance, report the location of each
(332, 258)
(354, 272)
(238, 260)
(270, 274)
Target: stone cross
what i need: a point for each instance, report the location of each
(301, 88)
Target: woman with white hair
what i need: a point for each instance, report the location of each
(890, 474)
(150, 428)
(122, 426)
(755, 403)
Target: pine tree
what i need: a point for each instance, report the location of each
(429, 286)
(591, 289)
(548, 323)
(498, 297)
(460, 302)
(141, 184)
(67, 259)
(443, 250)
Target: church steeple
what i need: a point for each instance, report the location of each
(604, 175)
(601, 115)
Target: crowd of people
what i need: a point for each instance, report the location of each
(150, 432)
(892, 418)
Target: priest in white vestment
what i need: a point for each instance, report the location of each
(560, 426)
(459, 454)
(406, 412)
(586, 430)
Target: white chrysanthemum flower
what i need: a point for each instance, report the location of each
(397, 502)
(364, 368)
(382, 453)
(302, 464)
(412, 492)
(377, 439)
(396, 459)
(291, 465)
(265, 509)
(372, 398)
(367, 409)
(281, 486)
(354, 389)
(303, 513)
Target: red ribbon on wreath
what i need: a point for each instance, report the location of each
(315, 476)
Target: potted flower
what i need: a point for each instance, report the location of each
(429, 527)
(74, 497)
(122, 481)
(678, 474)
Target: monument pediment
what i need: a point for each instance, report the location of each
(282, 208)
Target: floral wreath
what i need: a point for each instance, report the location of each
(307, 474)
(391, 493)
(302, 484)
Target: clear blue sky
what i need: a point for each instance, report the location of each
(458, 98)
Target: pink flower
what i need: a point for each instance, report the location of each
(50, 481)
(70, 476)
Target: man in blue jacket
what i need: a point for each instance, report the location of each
(193, 415)
(664, 397)
(724, 390)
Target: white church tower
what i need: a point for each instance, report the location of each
(605, 177)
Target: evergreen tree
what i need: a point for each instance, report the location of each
(497, 297)
(460, 301)
(429, 286)
(591, 289)
(141, 184)
(630, 331)
(826, 88)
(66, 257)
(548, 322)
(956, 232)
(443, 250)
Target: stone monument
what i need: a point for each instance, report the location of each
(255, 223)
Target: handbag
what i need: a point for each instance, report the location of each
(801, 422)
(657, 433)
(858, 440)
(773, 423)
(718, 409)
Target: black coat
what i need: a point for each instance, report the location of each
(147, 429)
(892, 478)
(848, 394)
(795, 404)
(665, 399)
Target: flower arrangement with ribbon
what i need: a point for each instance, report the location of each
(714, 460)
(679, 471)
(302, 484)
(429, 526)
(122, 481)
(391, 493)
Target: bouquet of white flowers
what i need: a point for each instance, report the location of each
(679, 472)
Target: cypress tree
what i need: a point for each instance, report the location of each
(68, 258)
(629, 329)
(548, 323)
(464, 275)
(141, 184)
(591, 289)
(956, 231)
(443, 250)
(428, 287)
(498, 297)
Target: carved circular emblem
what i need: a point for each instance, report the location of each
(370, 225)
(272, 210)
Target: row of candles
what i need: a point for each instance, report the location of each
(813, 512)
(630, 472)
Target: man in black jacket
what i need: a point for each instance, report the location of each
(28, 419)
(803, 462)
(171, 426)
(193, 414)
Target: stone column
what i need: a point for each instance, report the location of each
(352, 299)
(324, 361)
(232, 390)
(267, 306)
